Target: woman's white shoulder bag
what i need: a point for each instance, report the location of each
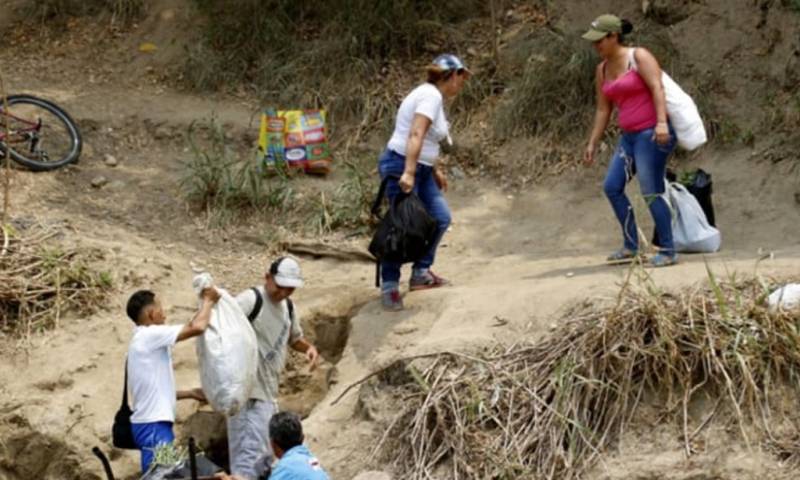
(681, 110)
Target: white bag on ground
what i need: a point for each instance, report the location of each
(787, 297)
(691, 232)
(227, 352)
(681, 110)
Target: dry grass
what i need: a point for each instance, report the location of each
(554, 94)
(548, 410)
(52, 12)
(40, 281)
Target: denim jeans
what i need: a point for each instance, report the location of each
(392, 163)
(638, 153)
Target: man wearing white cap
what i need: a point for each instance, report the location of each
(276, 325)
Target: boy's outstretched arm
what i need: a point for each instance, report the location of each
(199, 323)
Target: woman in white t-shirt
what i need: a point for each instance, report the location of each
(411, 155)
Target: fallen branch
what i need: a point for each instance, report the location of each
(5, 241)
(402, 360)
(320, 249)
(40, 281)
(547, 410)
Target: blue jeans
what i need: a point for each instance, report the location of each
(638, 152)
(150, 435)
(392, 163)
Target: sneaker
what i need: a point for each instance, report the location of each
(623, 255)
(392, 301)
(426, 281)
(663, 260)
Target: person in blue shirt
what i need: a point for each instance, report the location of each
(295, 461)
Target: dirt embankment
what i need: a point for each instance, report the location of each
(515, 257)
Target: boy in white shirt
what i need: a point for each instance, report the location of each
(151, 379)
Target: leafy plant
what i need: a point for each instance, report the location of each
(218, 181)
(349, 207)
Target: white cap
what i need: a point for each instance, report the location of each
(286, 273)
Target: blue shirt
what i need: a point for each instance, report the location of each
(298, 464)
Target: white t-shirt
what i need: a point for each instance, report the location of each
(150, 375)
(275, 331)
(425, 100)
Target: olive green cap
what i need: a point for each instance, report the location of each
(602, 26)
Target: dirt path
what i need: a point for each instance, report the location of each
(516, 260)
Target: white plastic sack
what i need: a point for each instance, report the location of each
(690, 229)
(681, 110)
(227, 352)
(787, 297)
(683, 114)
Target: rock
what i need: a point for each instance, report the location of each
(162, 133)
(99, 181)
(457, 172)
(111, 161)
(405, 330)
(117, 185)
(373, 475)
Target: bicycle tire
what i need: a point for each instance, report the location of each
(75, 143)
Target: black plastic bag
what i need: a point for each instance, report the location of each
(405, 233)
(701, 187)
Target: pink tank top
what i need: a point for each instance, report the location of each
(631, 95)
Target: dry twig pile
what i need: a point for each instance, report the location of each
(548, 410)
(40, 281)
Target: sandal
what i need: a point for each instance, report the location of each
(426, 281)
(663, 260)
(623, 255)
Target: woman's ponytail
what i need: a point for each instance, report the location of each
(627, 27)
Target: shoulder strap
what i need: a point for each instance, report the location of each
(290, 307)
(125, 388)
(376, 205)
(632, 65)
(257, 307)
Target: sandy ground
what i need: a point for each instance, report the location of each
(516, 260)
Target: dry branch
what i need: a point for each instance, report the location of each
(548, 410)
(321, 249)
(40, 280)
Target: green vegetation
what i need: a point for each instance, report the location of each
(348, 207)
(226, 186)
(793, 5)
(337, 54)
(218, 181)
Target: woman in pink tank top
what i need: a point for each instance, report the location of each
(630, 80)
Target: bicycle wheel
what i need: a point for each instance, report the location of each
(41, 136)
